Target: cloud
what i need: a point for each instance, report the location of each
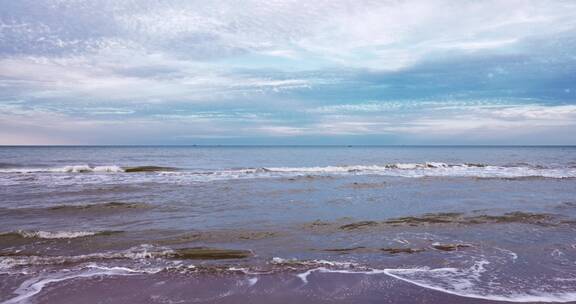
(176, 70)
(441, 103)
(483, 122)
(112, 80)
(437, 122)
(558, 114)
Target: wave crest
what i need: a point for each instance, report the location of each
(411, 170)
(54, 234)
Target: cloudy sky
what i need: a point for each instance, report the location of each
(287, 72)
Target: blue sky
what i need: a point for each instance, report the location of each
(287, 72)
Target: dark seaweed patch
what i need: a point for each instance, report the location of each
(358, 225)
(204, 253)
(513, 217)
(217, 236)
(450, 247)
(196, 253)
(457, 218)
(148, 169)
(476, 165)
(429, 218)
(362, 249)
(439, 219)
(347, 250)
(401, 250)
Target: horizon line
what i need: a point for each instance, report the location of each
(290, 145)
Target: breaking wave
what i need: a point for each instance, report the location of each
(66, 169)
(469, 283)
(116, 174)
(464, 282)
(10, 260)
(33, 286)
(89, 169)
(54, 234)
(478, 276)
(477, 280)
(434, 169)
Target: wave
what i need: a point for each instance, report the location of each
(479, 277)
(32, 287)
(444, 219)
(468, 283)
(66, 169)
(20, 259)
(89, 169)
(149, 169)
(476, 281)
(54, 234)
(112, 206)
(414, 170)
(465, 283)
(434, 170)
(75, 209)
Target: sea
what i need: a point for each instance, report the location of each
(287, 224)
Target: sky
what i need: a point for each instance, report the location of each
(288, 72)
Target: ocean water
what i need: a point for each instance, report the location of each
(331, 224)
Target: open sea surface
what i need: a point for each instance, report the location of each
(255, 224)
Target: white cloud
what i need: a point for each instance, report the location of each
(363, 33)
(374, 34)
(78, 77)
(196, 38)
(94, 70)
(440, 103)
(487, 124)
(435, 120)
(559, 114)
(280, 130)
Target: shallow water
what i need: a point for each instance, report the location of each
(286, 224)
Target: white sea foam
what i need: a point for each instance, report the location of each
(304, 275)
(479, 280)
(394, 170)
(56, 234)
(66, 169)
(277, 260)
(33, 286)
(512, 254)
(482, 278)
(252, 281)
(84, 174)
(467, 283)
(134, 253)
(433, 169)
